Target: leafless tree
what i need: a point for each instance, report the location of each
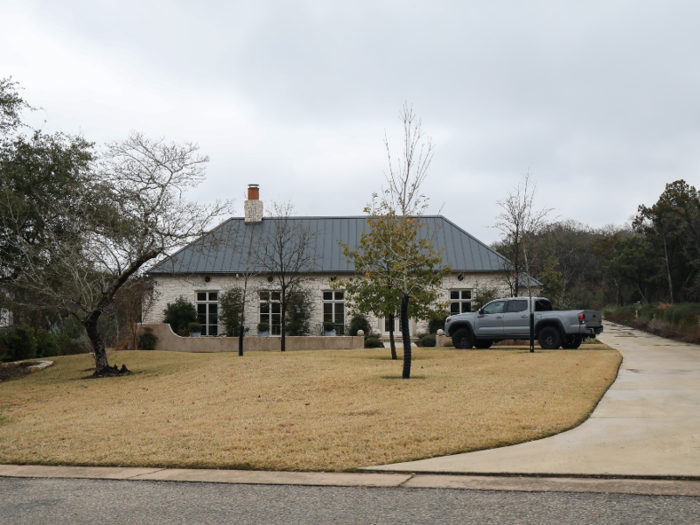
(131, 211)
(286, 250)
(520, 224)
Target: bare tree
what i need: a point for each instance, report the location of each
(397, 259)
(132, 210)
(520, 223)
(286, 250)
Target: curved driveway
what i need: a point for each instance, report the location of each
(647, 424)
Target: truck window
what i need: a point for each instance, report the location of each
(517, 306)
(543, 305)
(494, 308)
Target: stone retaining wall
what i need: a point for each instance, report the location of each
(170, 341)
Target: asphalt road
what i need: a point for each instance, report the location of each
(77, 501)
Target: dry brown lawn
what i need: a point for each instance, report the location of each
(304, 410)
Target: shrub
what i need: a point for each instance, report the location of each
(47, 344)
(230, 309)
(427, 340)
(263, 327)
(373, 342)
(179, 314)
(437, 321)
(20, 343)
(360, 322)
(300, 306)
(71, 346)
(328, 326)
(194, 327)
(147, 341)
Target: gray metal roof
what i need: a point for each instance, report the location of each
(225, 248)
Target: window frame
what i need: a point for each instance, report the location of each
(334, 302)
(208, 305)
(461, 300)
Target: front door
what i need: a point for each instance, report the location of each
(490, 322)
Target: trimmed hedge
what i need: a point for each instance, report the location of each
(373, 342)
(147, 341)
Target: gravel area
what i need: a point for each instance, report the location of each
(74, 501)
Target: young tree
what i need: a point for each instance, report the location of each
(130, 210)
(396, 261)
(520, 223)
(286, 251)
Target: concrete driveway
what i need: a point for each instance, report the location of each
(647, 424)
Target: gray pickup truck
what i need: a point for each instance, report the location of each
(510, 319)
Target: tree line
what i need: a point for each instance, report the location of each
(654, 258)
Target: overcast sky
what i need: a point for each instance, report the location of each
(599, 100)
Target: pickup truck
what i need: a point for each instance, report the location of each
(510, 319)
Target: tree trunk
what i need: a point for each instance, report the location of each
(98, 346)
(406, 333)
(668, 271)
(392, 342)
(241, 330)
(283, 323)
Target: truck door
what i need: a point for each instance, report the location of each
(489, 321)
(516, 321)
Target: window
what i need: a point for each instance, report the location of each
(334, 310)
(208, 311)
(460, 301)
(543, 305)
(517, 306)
(494, 308)
(271, 311)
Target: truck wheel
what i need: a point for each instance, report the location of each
(572, 342)
(483, 345)
(463, 339)
(549, 338)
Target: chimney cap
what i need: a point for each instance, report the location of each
(253, 185)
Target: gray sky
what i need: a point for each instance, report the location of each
(598, 99)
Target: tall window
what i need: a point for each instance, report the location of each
(460, 301)
(271, 311)
(208, 311)
(334, 310)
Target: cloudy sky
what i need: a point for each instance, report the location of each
(599, 100)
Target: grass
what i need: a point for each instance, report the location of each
(305, 410)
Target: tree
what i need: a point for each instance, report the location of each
(396, 262)
(520, 223)
(130, 209)
(286, 251)
(180, 314)
(231, 306)
(299, 312)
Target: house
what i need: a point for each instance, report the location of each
(219, 260)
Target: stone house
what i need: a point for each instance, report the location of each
(219, 260)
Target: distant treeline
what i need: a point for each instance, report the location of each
(655, 259)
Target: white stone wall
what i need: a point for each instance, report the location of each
(169, 287)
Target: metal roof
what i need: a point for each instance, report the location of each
(225, 248)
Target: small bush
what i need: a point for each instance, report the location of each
(194, 327)
(328, 326)
(147, 341)
(373, 342)
(47, 344)
(263, 327)
(427, 341)
(437, 321)
(20, 343)
(70, 346)
(360, 322)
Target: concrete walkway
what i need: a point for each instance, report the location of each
(646, 425)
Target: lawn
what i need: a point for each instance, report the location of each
(304, 410)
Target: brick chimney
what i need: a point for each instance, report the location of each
(253, 206)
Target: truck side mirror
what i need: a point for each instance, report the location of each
(481, 311)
